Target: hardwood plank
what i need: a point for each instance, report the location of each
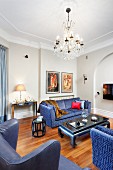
(81, 154)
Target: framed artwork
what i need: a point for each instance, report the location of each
(67, 83)
(52, 82)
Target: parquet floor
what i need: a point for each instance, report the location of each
(81, 154)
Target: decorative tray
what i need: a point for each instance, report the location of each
(75, 125)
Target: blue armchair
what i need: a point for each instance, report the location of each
(46, 157)
(102, 147)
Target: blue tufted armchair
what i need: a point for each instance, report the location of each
(46, 157)
(102, 147)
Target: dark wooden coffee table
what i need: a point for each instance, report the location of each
(71, 131)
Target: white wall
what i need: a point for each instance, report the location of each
(50, 62)
(25, 70)
(104, 74)
(22, 70)
(32, 73)
(96, 76)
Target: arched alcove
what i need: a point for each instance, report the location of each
(103, 74)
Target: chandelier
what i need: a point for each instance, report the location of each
(70, 46)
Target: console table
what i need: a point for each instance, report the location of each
(30, 103)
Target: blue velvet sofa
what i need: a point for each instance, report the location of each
(48, 111)
(46, 157)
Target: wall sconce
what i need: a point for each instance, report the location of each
(26, 56)
(85, 77)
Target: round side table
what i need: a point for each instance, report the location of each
(38, 127)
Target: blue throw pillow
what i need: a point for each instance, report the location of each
(86, 104)
(82, 103)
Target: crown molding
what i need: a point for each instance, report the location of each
(46, 46)
(4, 35)
(24, 42)
(49, 46)
(21, 41)
(18, 40)
(98, 46)
(6, 20)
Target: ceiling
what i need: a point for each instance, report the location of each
(40, 21)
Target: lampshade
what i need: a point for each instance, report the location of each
(20, 87)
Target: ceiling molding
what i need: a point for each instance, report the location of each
(46, 46)
(25, 42)
(18, 40)
(98, 46)
(20, 31)
(38, 45)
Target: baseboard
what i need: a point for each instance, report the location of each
(102, 112)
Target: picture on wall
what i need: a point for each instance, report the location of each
(67, 83)
(52, 82)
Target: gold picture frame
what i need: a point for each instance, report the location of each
(66, 82)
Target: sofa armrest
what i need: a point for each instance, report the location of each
(9, 131)
(45, 157)
(48, 112)
(102, 147)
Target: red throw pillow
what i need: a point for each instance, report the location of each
(76, 105)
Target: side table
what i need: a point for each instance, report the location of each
(33, 103)
(38, 127)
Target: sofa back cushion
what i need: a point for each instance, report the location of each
(68, 103)
(77, 99)
(61, 104)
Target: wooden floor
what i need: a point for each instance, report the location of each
(81, 154)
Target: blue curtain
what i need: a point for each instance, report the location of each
(3, 85)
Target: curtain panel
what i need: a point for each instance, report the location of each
(3, 85)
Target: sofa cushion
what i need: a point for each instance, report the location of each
(6, 151)
(76, 105)
(77, 99)
(61, 104)
(68, 103)
(71, 113)
(86, 103)
(82, 103)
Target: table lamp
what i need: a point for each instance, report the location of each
(20, 87)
